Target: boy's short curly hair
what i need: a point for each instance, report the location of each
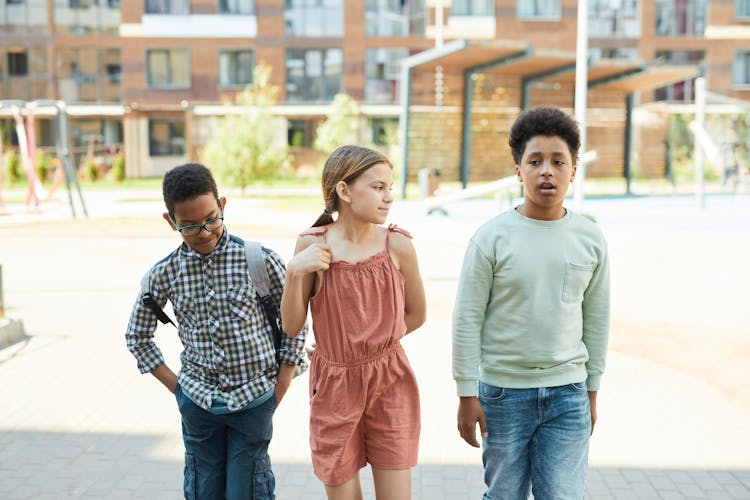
(546, 121)
(187, 182)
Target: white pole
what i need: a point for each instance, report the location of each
(439, 24)
(581, 90)
(700, 119)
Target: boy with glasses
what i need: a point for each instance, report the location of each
(229, 384)
(531, 323)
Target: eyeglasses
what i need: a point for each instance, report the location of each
(210, 225)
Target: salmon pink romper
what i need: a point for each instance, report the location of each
(364, 401)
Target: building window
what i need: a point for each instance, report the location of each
(237, 7)
(166, 137)
(324, 18)
(79, 17)
(236, 67)
(313, 75)
(613, 19)
(382, 72)
(301, 133)
(18, 64)
(23, 74)
(680, 17)
(168, 68)
(475, 7)
(167, 6)
(741, 68)
(394, 17)
(541, 10)
(681, 91)
(742, 9)
(384, 131)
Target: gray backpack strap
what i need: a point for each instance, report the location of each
(148, 301)
(256, 265)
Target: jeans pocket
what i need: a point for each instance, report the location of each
(577, 278)
(490, 392)
(189, 485)
(578, 386)
(264, 482)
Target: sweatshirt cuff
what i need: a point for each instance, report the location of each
(592, 383)
(467, 388)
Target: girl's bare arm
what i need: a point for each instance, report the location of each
(406, 260)
(309, 257)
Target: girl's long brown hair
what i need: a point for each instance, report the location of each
(345, 164)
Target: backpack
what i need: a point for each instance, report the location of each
(256, 265)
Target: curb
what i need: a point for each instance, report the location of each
(11, 331)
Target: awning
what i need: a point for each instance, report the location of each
(521, 60)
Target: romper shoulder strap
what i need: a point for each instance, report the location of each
(393, 228)
(315, 231)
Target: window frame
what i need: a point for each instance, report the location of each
(739, 53)
(489, 6)
(555, 17)
(186, 4)
(323, 75)
(742, 16)
(170, 122)
(169, 86)
(235, 52)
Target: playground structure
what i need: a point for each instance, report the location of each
(24, 114)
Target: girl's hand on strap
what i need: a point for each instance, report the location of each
(314, 258)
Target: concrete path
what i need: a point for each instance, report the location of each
(78, 421)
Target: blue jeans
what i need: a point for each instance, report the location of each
(538, 439)
(226, 456)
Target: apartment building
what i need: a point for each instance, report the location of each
(147, 76)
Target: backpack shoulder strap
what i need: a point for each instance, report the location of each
(256, 265)
(149, 301)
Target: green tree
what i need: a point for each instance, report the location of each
(242, 147)
(341, 127)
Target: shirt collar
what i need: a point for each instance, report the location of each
(221, 247)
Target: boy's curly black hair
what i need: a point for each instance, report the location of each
(187, 182)
(546, 121)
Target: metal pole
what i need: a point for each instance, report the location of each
(403, 124)
(629, 100)
(581, 90)
(700, 119)
(439, 24)
(466, 127)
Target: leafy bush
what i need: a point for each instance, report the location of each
(118, 167)
(13, 168)
(242, 147)
(43, 164)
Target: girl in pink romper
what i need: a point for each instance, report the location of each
(362, 284)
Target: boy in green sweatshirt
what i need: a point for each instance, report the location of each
(531, 323)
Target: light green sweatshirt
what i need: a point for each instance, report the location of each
(532, 308)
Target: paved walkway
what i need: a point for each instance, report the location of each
(78, 421)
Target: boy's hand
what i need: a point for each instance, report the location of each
(469, 414)
(284, 378)
(316, 257)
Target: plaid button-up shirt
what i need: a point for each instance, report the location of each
(227, 340)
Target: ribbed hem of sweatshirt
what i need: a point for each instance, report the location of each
(592, 383)
(467, 387)
(533, 380)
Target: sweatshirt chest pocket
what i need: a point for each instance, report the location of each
(577, 277)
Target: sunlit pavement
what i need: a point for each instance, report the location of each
(78, 421)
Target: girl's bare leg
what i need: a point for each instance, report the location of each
(392, 484)
(350, 490)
